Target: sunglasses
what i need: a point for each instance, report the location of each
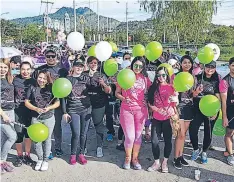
(159, 75)
(50, 56)
(137, 66)
(210, 66)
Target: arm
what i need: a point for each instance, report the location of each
(224, 108)
(63, 104)
(107, 89)
(4, 116)
(118, 94)
(31, 107)
(54, 106)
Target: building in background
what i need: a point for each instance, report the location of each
(67, 23)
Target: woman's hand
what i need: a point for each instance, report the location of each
(101, 82)
(5, 118)
(199, 89)
(67, 118)
(45, 110)
(225, 122)
(39, 110)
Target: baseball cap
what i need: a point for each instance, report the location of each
(15, 59)
(78, 62)
(212, 63)
(50, 50)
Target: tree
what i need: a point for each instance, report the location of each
(9, 31)
(32, 34)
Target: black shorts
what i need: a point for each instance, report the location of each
(23, 116)
(230, 116)
(186, 113)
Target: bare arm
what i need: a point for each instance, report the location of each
(30, 106)
(54, 106)
(118, 94)
(224, 104)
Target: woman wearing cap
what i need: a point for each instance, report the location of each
(77, 111)
(186, 115)
(7, 116)
(206, 83)
(134, 112)
(98, 89)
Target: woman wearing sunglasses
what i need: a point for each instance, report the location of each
(206, 83)
(40, 100)
(186, 114)
(134, 112)
(160, 94)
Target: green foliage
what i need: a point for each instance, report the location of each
(32, 34)
(9, 30)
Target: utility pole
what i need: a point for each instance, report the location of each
(127, 20)
(74, 7)
(90, 30)
(98, 21)
(47, 2)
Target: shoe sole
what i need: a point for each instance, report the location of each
(230, 164)
(177, 167)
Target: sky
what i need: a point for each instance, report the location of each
(109, 8)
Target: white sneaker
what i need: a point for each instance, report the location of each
(44, 166)
(99, 152)
(38, 165)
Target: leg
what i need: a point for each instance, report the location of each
(208, 128)
(75, 128)
(228, 140)
(58, 128)
(97, 117)
(167, 135)
(109, 119)
(155, 128)
(179, 141)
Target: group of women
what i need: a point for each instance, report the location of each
(28, 99)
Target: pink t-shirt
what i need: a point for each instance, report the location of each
(223, 86)
(162, 101)
(136, 94)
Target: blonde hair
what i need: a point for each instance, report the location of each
(9, 76)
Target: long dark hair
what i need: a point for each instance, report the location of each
(191, 61)
(141, 59)
(154, 88)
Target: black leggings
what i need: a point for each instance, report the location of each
(165, 128)
(79, 126)
(208, 128)
(120, 133)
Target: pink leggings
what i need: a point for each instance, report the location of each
(132, 122)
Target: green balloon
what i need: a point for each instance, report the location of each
(209, 105)
(205, 55)
(138, 50)
(153, 51)
(126, 79)
(38, 132)
(61, 88)
(114, 46)
(183, 82)
(91, 51)
(219, 130)
(110, 67)
(169, 68)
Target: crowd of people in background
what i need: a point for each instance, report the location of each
(27, 98)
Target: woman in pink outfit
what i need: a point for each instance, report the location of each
(134, 112)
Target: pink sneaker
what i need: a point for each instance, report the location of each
(82, 160)
(73, 159)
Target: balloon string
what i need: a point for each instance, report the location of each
(101, 68)
(46, 106)
(230, 120)
(203, 73)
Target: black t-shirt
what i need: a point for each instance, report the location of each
(7, 95)
(97, 95)
(55, 71)
(21, 86)
(78, 100)
(230, 92)
(210, 86)
(41, 97)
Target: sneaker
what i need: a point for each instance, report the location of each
(82, 160)
(120, 147)
(99, 152)
(136, 165)
(109, 137)
(147, 138)
(85, 151)
(177, 163)
(73, 159)
(204, 159)
(127, 163)
(230, 160)
(44, 166)
(195, 154)
(51, 156)
(160, 138)
(8, 167)
(211, 147)
(155, 167)
(28, 160)
(58, 152)
(19, 161)
(38, 165)
(164, 167)
(183, 161)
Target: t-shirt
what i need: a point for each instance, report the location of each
(161, 100)
(227, 86)
(97, 95)
(21, 86)
(55, 71)
(78, 100)
(41, 97)
(136, 94)
(210, 87)
(7, 95)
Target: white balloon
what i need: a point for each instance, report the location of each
(76, 41)
(103, 51)
(215, 49)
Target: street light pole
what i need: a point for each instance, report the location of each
(98, 21)
(127, 20)
(74, 7)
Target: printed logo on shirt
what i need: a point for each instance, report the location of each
(20, 95)
(77, 89)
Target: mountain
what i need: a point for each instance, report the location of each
(90, 18)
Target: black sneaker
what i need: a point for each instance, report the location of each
(177, 163)
(120, 147)
(19, 161)
(183, 161)
(28, 161)
(58, 152)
